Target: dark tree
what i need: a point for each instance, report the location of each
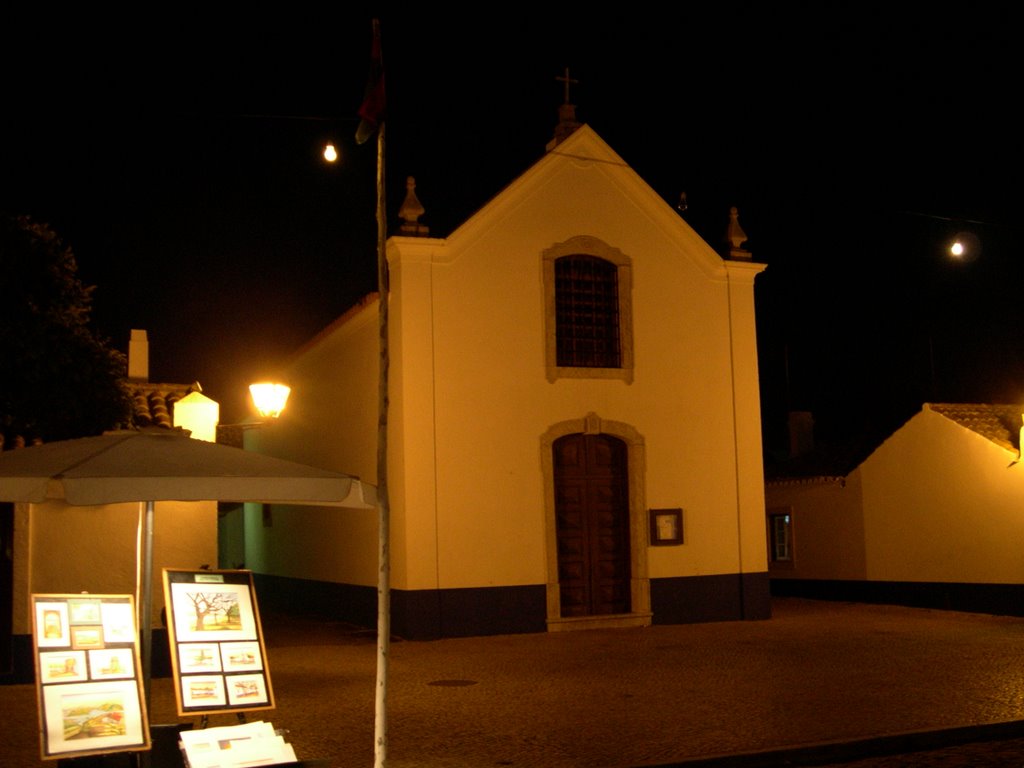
(58, 380)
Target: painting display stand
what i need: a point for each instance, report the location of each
(88, 676)
(219, 666)
(218, 659)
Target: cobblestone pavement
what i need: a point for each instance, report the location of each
(819, 683)
(980, 750)
(996, 754)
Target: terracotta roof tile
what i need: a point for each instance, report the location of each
(999, 423)
(153, 404)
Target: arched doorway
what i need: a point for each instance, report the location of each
(592, 521)
(633, 463)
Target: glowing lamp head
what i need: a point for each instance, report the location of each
(965, 247)
(330, 153)
(269, 398)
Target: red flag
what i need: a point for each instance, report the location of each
(371, 111)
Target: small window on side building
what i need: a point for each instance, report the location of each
(780, 537)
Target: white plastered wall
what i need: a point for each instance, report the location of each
(67, 549)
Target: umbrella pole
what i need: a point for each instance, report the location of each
(146, 620)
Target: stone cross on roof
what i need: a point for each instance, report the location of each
(566, 114)
(568, 81)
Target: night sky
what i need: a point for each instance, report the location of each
(180, 162)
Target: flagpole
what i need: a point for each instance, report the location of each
(371, 112)
(383, 511)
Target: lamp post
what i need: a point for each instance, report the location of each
(269, 400)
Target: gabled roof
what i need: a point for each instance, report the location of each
(1000, 424)
(584, 149)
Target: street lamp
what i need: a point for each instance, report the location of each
(965, 247)
(269, 398)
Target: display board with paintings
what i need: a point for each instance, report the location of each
(216, 642)
(88, 675)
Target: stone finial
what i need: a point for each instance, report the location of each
(411, 211)
(735, 237)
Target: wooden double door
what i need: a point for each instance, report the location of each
(592, 522)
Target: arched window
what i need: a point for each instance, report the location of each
(589, 323)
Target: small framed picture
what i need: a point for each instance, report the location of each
(87, 637)
(203, 691)
(62, 667)
(666, 526)
(244, 689)
(111, 663)
(51, 624)
(198, 657)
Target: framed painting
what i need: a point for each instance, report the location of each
(666, 527)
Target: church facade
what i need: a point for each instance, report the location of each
(574, 431)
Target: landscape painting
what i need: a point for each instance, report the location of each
(212, 612)
(92, 716)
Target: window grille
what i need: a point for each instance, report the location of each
(587, 312)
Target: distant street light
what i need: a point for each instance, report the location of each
(330, 153)
(966, 247)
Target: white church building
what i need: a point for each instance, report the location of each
(574, 426)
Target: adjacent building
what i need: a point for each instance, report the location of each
(932, 517)
(53, 547)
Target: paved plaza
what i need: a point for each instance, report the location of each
(794, 689)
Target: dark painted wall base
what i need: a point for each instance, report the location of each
(995, 599)
(432, 614)
(696, 599)
(416, 615)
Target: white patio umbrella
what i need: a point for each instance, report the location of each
(157, 464)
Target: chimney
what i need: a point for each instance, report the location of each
(138, 356)
(801, 433)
